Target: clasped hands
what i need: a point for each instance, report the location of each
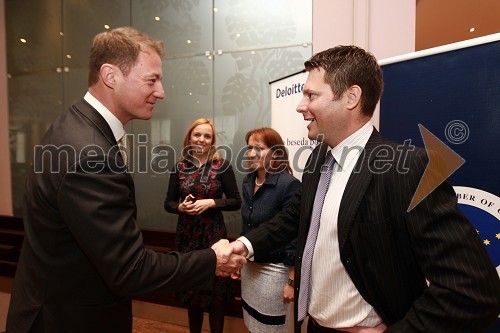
(230, 258)
(195, 207)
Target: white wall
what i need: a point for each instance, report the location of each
(386, 28)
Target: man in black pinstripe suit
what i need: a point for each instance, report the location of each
(378, 266)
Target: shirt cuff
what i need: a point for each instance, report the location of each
(248, 245)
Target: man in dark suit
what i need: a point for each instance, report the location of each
(83, 256)
(374, 265)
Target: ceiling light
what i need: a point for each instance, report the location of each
(472, 29)
(106, 26)
(22, 40)
(188, 41)
(157, 18)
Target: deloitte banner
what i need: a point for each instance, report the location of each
(286, 94)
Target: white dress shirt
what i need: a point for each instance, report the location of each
(334, 300)
(113, 122)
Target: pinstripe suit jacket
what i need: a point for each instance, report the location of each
(389, 252)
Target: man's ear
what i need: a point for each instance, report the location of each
(108, 75)
(353, 94)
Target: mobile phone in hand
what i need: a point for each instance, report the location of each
(189, 198)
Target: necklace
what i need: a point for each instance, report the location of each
(259, 184)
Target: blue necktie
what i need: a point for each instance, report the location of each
(305, 272)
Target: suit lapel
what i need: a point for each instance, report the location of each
(86, 110)
(98, 121)
(356, 188)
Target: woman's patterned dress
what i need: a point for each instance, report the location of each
(213, 180)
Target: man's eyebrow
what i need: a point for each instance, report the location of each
(307, 91)
(155, 75)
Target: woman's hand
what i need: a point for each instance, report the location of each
(287, 293)
(197, 207)
(289, 286)
(183, 206)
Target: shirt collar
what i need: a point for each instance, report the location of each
(113, 122)
(351, 147)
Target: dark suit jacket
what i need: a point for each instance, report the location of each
(389, 252)
(83, 255)
(276, 193)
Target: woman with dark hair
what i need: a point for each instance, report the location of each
(267, 286)
(195, 192)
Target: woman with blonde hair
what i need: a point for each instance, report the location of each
(200, 188)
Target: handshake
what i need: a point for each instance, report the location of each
(230, 258)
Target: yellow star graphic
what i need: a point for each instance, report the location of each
(498, 235)
(486, 242)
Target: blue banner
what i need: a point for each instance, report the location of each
(455, 93)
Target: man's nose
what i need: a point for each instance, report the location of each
(159, 91)
(302, 107)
